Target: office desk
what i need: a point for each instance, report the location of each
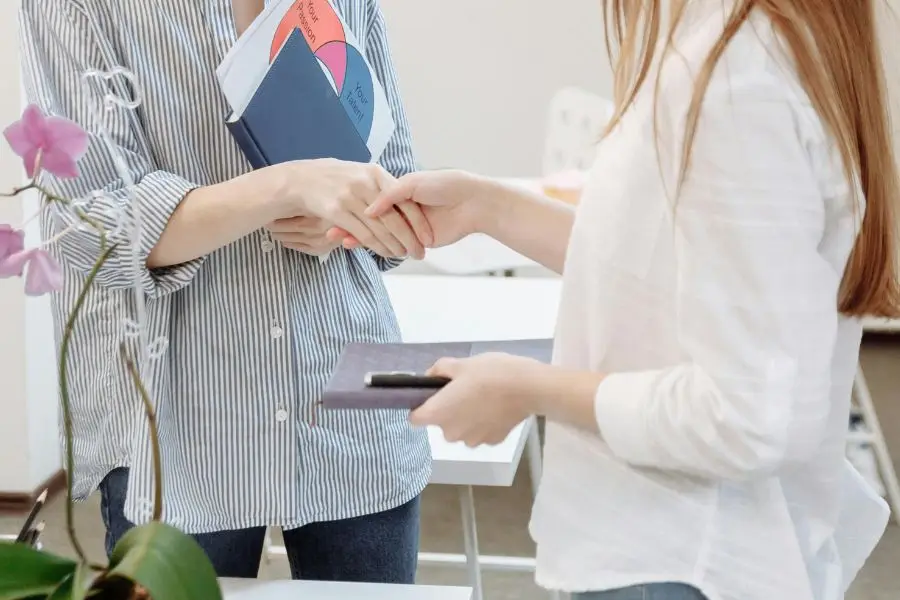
(257, 589)
(446, 309)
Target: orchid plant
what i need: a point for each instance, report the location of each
(153, 560)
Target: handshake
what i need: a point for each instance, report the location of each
(327, 204)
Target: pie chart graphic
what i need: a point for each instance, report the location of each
(349, 72)
(333, 57)
(316, 19)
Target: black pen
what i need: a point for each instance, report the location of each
(38, 504)
(398, 379)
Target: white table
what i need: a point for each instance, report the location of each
(476, 254)
(257, 589)
(446, 309)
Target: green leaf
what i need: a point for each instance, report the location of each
(169, 564)
(28, 572)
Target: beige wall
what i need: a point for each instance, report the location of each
(13, 471)
(889, 20)
(477, 75)
(28, 406)
(515, 53)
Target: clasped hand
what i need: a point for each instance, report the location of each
(325, 194)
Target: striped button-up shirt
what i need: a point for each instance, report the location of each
(242, 341)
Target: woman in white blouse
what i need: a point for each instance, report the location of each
(738, 222)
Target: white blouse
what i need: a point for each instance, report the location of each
(721, 456)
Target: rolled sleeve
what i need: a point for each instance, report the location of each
(119, 183)
(756, 304)
(152, 202)
(398, 158)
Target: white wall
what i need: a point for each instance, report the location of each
(477, 75)
(28, 393)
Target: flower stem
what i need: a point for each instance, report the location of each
(60, 235)
(50, 197)
(65, 401)
(19, 190)
(154, 433)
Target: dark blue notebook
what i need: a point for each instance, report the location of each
(296, 114)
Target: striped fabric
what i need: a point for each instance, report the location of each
(242, 341)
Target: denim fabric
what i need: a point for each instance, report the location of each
(379, 548)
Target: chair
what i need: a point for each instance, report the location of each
(575, 123)
(870, 436)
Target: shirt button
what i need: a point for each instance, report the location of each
(144, 509)
(267, 246)
(281, 415)
(276, 331)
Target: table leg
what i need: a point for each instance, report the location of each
(470, 535)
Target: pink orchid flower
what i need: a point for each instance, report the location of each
(53, 144)
(44, 274)
(12, 242)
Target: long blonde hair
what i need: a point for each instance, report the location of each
(834, 45)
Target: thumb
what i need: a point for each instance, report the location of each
(401, 190)
(445, 367)
(336, 234)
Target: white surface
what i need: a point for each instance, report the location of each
(476, 254)
(255, 589)
(881, 325)
(29, 450)
(456, 464)
(446, 309)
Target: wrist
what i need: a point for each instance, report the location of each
(275, 192)
(488, 203)
(563, 395)
(533, 385)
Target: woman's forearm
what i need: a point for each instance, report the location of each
(528, 222)
(209, 218)
(563, 395)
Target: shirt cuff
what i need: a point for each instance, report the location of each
(159, 195)
(386, 264)
(620, 408)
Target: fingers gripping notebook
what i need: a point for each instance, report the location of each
(348, 390)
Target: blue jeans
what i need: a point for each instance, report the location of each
(379, 548)
(650, 591)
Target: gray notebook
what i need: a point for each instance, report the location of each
(347, 388)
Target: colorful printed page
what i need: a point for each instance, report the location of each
(340, 55)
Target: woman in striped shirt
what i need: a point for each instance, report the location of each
(245, 323)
